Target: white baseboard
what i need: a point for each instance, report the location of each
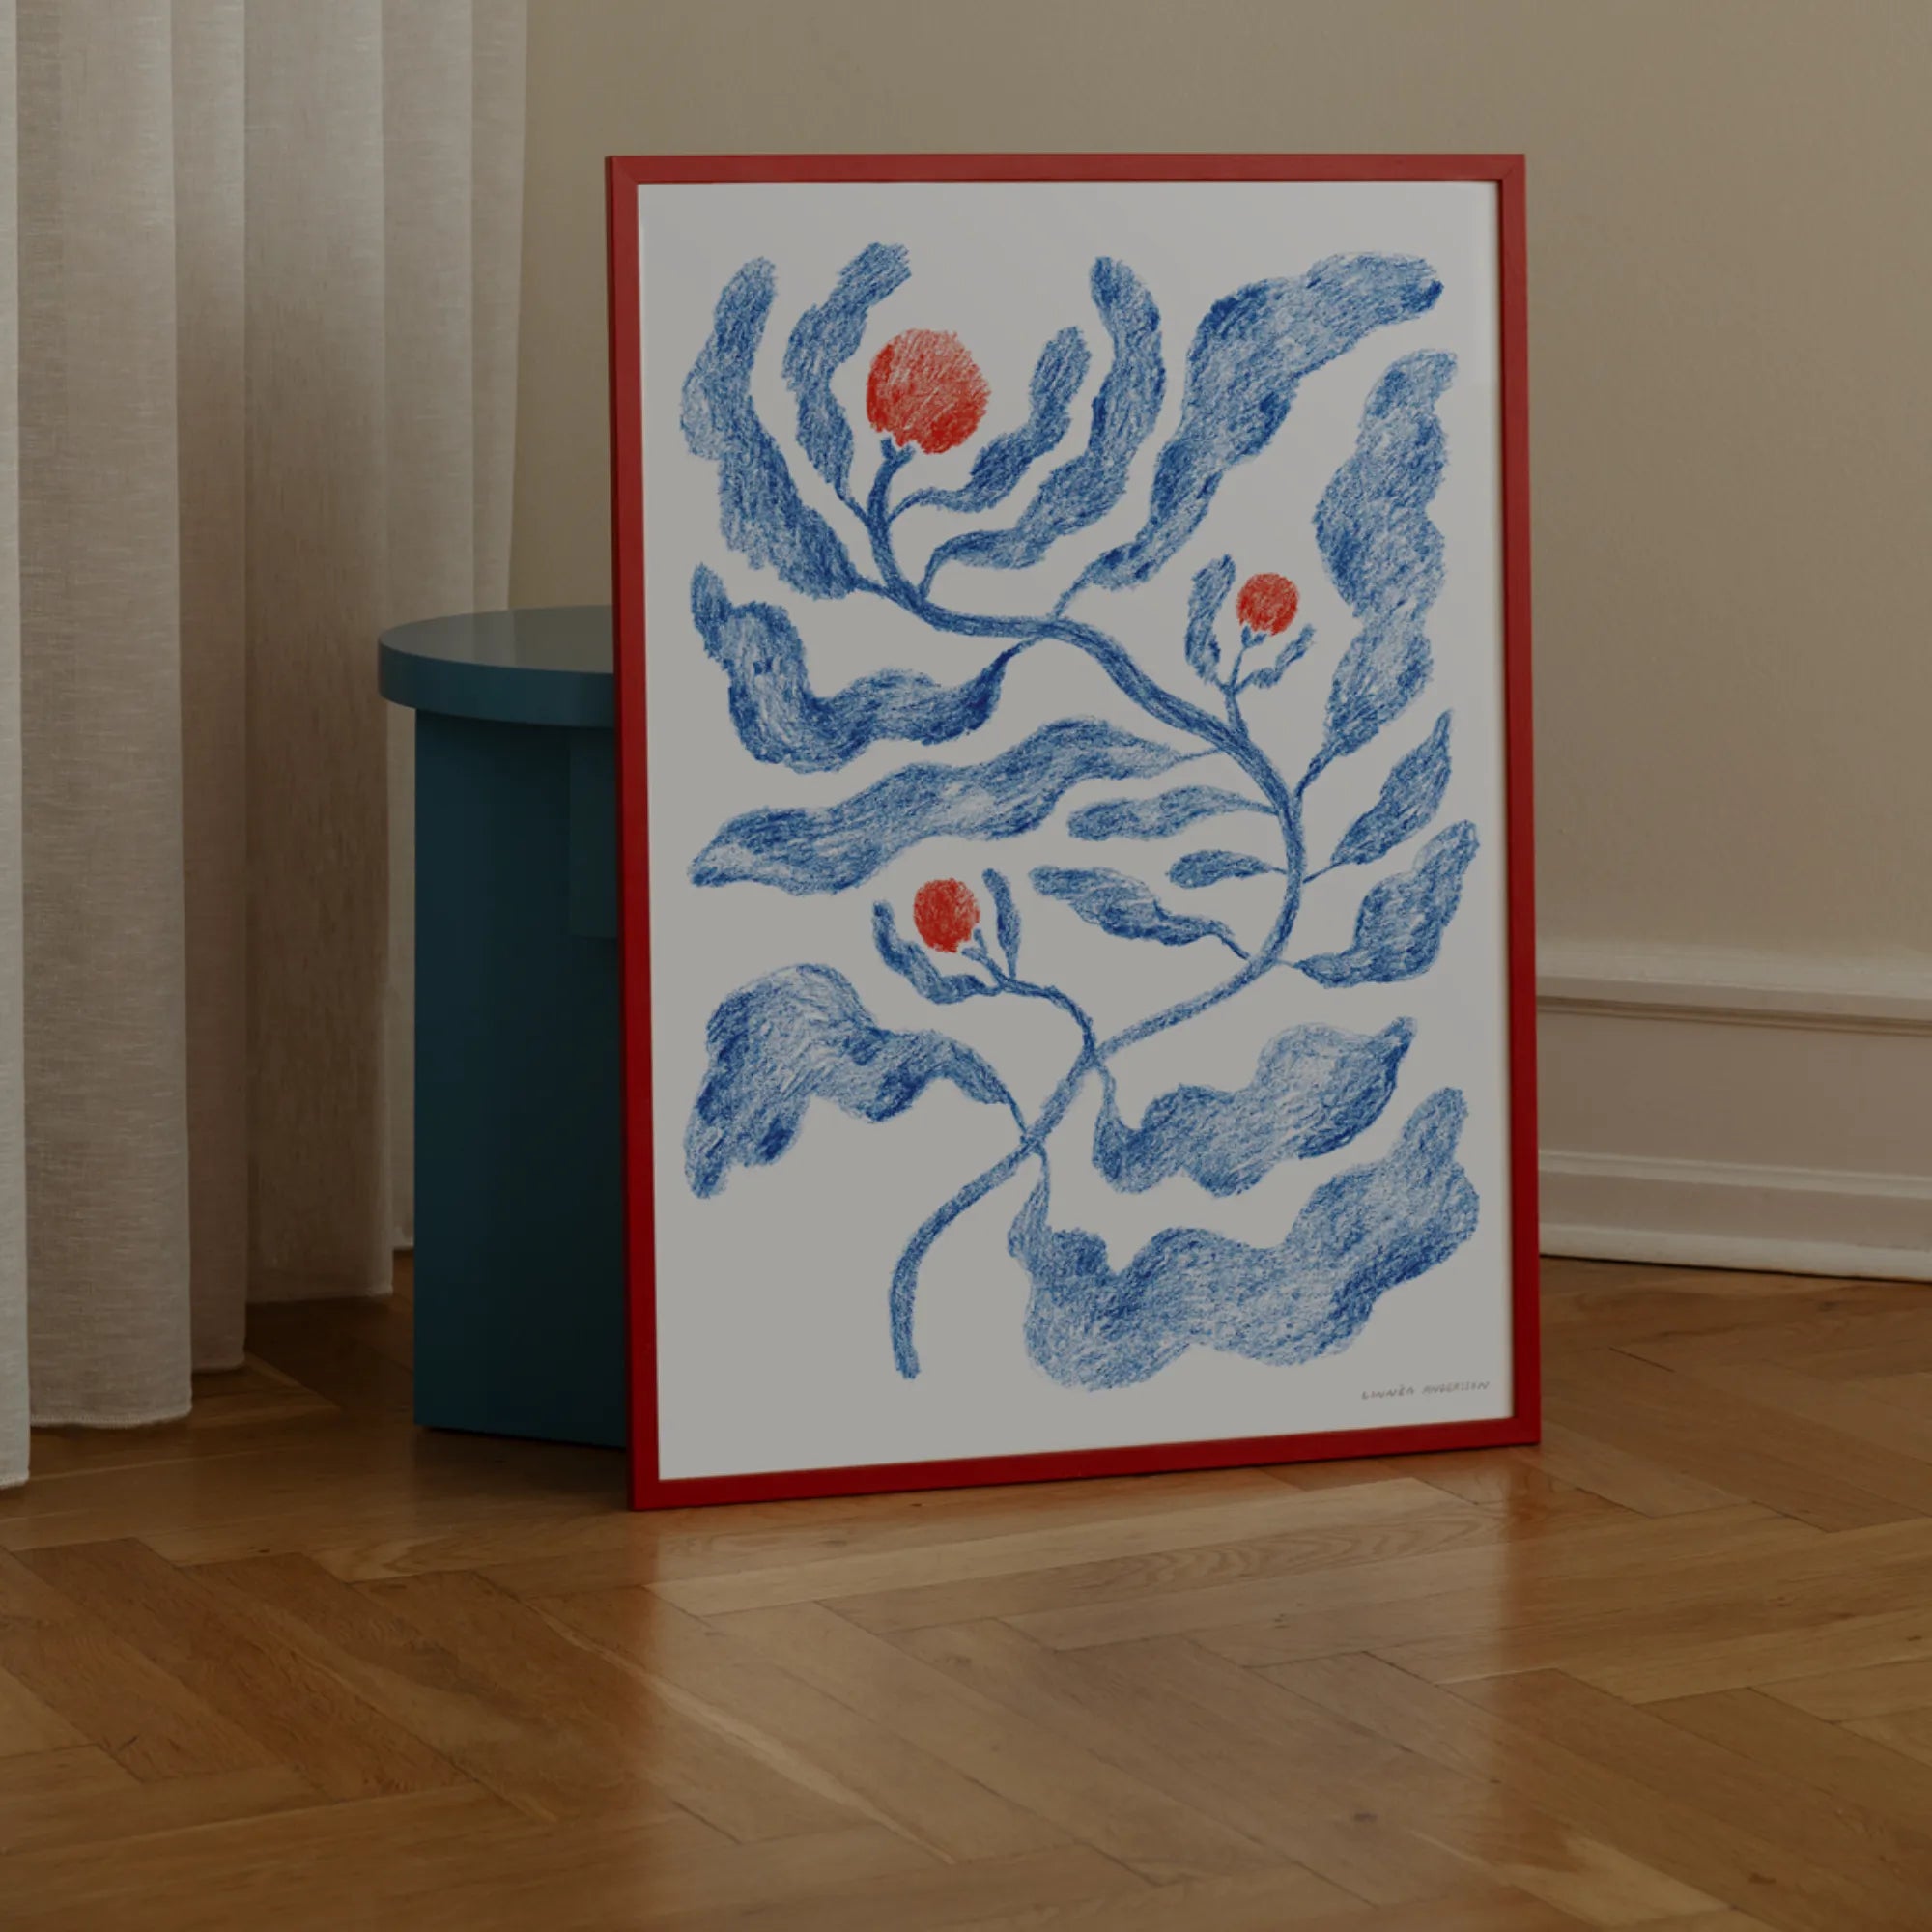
(1736, 1110)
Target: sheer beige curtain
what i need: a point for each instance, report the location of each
(258, 301)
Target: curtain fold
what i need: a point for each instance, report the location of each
(318, 831)
(258, 290)
(208, 77)
(107, 1058)
(13, 1398)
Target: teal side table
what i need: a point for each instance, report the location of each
(519, 1265)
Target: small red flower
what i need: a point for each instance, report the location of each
(926, 389)
(946, 914)
(1268, 604)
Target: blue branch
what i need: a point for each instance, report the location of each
(1231, 738)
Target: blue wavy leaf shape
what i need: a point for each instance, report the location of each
(914, 964)
(781, 721)
(796, 1035)
(1249, 354)
(1083, 491)
(997, 467)
(759, 509)
(1290, 653)
(1007, 916)
(1158, 817)
(1123, 906)
(845, 843)
(1209, 591)
(1208, 868)
(1382, 551)
(1315, 1089)
(1409, 797)
(1360, 1234)
(1399, 925)
(823, 340)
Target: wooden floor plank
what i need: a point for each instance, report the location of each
(1037, 1883)
(210, 1877)
(872, 1769)
(1840, 1765)
(1803, 1470)
(507, 1743)
(1752, 1869)
(1532, 1851)
(553, 1555)
(107, 1692)
(1309, 1800)
(1030, 1762)
(303, 1714)
(1688, 1629)
(1271, 1901)
(1280, 1512)
(57, 1817)
(1866, 1691)
(1894, 1861)
(1907, 1732)
(28, 1726)
(1407, 1599)
(79, 1767)
(637, 1877)
(1364, 1537)
(611, 1712)
(1622, 1477)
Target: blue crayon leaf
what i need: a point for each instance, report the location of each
(1083, 491)
(781, 721)
(825, 339)
(1092, 1327)
(798, 1034)
(843, 844)
(1290, 653)
(1123, 907)
(1209, 869)
(997, 467)
(1249, 354)
(1158, 817)
(759, 509)
(1382, 551)
(1006, 917)
(1409, 797)
(1212, 584)
(1315, 1089)
(913, 963)
(1399, 925)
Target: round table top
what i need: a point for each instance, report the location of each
(550, 666)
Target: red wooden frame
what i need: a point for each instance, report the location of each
(624, 176)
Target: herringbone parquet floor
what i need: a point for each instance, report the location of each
(294, 1666)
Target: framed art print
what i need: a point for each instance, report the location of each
(1073, 685)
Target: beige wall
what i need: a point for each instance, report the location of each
(1731, 319)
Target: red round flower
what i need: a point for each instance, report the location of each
(1268, 604)
(946, 914)
(926, 389)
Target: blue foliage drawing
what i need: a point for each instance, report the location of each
(1121, 904)
(1359, 1236)
(1083, 491)
(827, 851)
(781, 721)
(804, 1034)
(1316, 1089)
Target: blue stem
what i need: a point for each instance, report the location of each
(1033, 1146)
(1231, 738)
